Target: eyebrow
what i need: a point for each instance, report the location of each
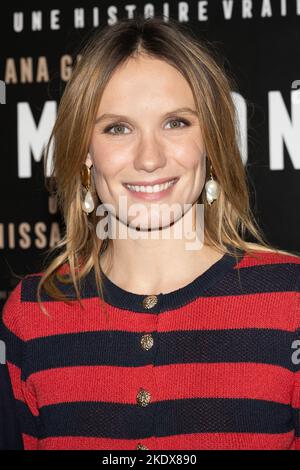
(120, 116)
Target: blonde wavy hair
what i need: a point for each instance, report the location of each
(227, 222)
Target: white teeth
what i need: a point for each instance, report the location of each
(151, 189)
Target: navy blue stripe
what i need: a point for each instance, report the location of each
(258, 279)
(123, 349)
(170, 417)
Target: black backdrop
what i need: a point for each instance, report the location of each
(260, 40)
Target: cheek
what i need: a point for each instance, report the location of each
(192, 159)
(190, 151)
(107, 163)
(108, 157)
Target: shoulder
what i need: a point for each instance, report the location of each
(23, 314)
(28, 314)
(24, 290)
(271, 258)
(271, 270)
(13, 311)
(271, 282)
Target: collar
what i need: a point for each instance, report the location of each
(120, 298)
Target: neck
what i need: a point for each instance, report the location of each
(147, 265)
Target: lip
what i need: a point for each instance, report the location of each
(153, 196)
(152, 183)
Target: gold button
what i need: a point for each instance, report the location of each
(150, 301)
(147, 341)
(143, 397)
(141, 447)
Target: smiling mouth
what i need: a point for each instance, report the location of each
(151, 188)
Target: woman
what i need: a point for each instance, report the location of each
(133, 337)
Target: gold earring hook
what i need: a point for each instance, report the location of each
(85, 174)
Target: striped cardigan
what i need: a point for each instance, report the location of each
(213, 365)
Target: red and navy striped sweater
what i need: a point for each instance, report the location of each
(213, 365)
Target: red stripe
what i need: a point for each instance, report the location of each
(121, 384)
(297, 443)
(260, 310)
(227, 441)
(21, 390)
(267, 258)
(296, 393)
(29, 442)
(205, 441)
(15, 378)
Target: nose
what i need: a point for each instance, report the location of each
(150, 155)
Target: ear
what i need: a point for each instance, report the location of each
(88, 160)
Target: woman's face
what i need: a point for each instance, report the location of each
(147, 140)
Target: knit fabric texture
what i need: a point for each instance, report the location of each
(212, 365)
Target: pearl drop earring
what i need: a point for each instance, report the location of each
(212, 189)
(88, 204)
